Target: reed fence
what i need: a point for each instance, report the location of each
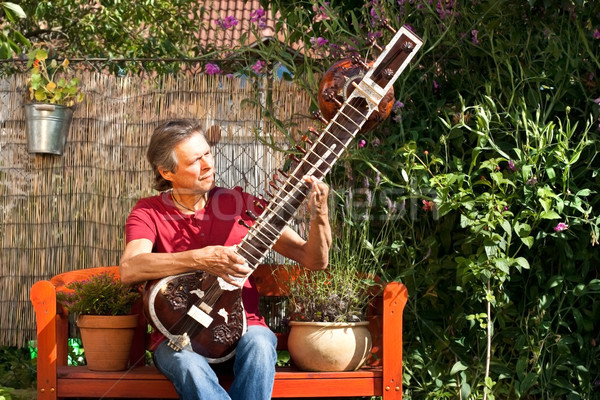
(59, 213)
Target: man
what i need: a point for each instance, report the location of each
(190, 226)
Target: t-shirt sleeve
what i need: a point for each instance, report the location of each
(139, 224)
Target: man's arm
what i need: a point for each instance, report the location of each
(139, 264)
(312, 253)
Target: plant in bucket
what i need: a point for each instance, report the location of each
(327, 309)
(103, 305)
(52, 96)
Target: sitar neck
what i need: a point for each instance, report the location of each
(362, 96)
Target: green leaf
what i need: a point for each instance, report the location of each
(5, 51)
(522, 229)
(528, 241)
(522, 262)
(549, 215)
(527, 382)
(13, 10)
(457, 367)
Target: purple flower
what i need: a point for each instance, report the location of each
(257, 14)
(561, 227)
(511, 166)
(362, 143)
(212, 69)
(474, 39)
(376, 142)
(318, 42)
(597, 33)
(228, 22)
(436, 86)
(259, 18)
(259, 66)
(397, 106)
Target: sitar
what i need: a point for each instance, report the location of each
(204, 313)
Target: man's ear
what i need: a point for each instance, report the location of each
(167, 175)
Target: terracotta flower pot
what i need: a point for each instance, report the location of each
(107, 340)
(329, 346)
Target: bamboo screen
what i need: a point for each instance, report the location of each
(60, 213)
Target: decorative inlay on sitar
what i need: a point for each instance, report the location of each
(205, 313)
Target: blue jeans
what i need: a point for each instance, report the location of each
(253, 368)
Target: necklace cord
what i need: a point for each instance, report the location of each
(182, 205)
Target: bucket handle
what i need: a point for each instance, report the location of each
(44, 107)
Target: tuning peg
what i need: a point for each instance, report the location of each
(294, 158)
(329, 95)
(314, 131)
(386, 24)
(258, 204)
(373, 43)
(242, 222)
(356, 59)
(306, 139)
(276, 178)
(318, 115)
(271, 195)
(302, 149)
(282, 172)
(273, 185)
(251, 214)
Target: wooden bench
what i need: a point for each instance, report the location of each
(382, 376)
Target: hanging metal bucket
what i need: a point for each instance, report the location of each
(47, 127)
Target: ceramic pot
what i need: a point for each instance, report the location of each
(329, 346)
(107, 340)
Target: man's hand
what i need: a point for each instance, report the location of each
(223, 262)
(317, 201)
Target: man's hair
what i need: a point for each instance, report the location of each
(161, 150)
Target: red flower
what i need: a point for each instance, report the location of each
(428, 205)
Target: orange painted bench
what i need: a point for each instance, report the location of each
(382, 376)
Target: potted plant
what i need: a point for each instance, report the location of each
(102, 305)
(327, 309)
(52, 96)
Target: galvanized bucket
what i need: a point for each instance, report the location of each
(47, 127)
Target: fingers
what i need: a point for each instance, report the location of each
(223, 262)
(318, 186)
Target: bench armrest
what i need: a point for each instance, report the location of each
(52, 337)
(395, 297)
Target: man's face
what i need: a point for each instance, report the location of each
(195, 172)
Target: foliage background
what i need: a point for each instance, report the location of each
(489, 164)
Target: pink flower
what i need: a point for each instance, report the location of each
(597, 33)
(362, 143)
(474, 39)
(212, 69)
(561, 227)
(259, 66)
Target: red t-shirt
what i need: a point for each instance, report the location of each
(160, 221)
